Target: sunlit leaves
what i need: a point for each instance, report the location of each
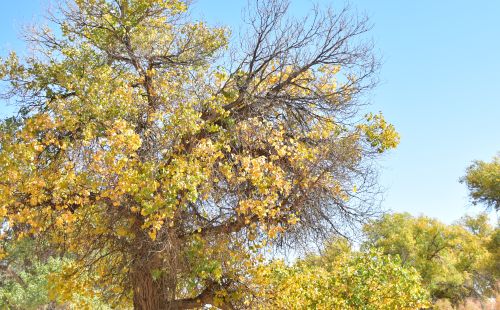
(146, 160)
(380, 134)
(483, 181)
(348, 281)
(453, 260)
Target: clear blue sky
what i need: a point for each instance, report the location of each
(440, 86)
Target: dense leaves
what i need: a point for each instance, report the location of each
(455, 261)
(162, 163)
(483, 181)
(342, 279)
(23, 280)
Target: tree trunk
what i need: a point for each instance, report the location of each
(151, 294)
(148, 293)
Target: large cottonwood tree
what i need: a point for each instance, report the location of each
(160, 159)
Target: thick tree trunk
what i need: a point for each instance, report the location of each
(148, 293)
(151, 294)
(159, 292)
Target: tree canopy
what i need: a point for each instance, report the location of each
(483, 180)
(347, 280)
(161, 159)
(455, 261)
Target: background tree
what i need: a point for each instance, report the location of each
(483, 181)
(161, 162)
(23, 279)
(454, 260)
(490, 237)
(343, 279)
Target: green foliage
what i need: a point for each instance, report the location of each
(453, 260)
(23, 276)
(345, 280)
(483, 181)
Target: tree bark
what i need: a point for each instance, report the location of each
(148, 293)
(151, 294)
